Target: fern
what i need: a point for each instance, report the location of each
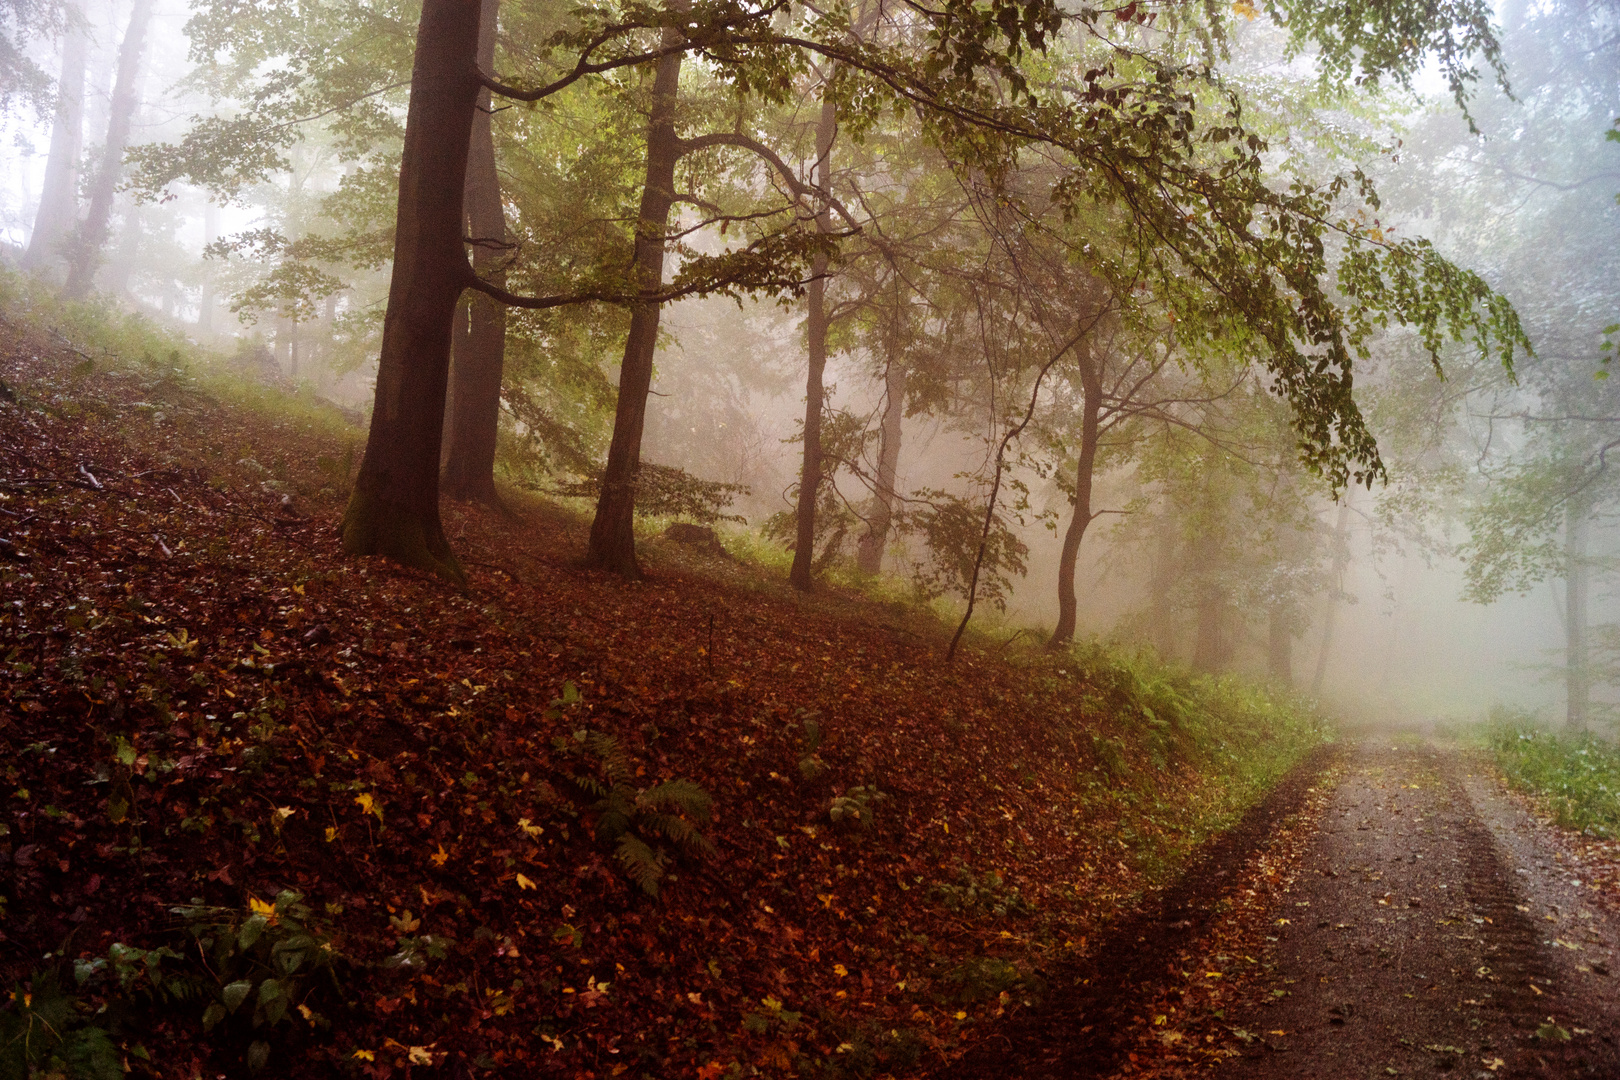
(644, 865)
(635, 819)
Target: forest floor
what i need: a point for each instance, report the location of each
(272, 810)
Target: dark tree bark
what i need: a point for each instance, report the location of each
(1090, 365)
(869, 553)
(1577, 588)
(59, 201)
(85, 248)
(394, 510)
(1280, 644)
(474, 409)
(613, 535)
(802, 574)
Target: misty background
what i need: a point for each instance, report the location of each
(1390, 615)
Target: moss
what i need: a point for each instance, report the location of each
(373, 526)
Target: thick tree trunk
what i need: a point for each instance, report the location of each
(802, 574)
(869, 554)
(394, 509)
(1280, 645)
(613, 532)
(474, 410)
(1341, 559)
(1090, 423)
(85, 248)
(1577, 581)
(59, 201)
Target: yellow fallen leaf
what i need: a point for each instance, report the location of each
(260, 907)
(961, 1015)
(529, 829)
(420, 1055)
(524, 883)
(439, 857)
(365, 1055)
(1492, 1063)
(283, 813)
(840, 970)
(331, 834)
(1212, 974)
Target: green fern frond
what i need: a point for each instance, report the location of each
(677, 830)
(641, 862)
(616, 763)
(590, 785)
(682, 795)
(612, 825)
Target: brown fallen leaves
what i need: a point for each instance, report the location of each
(201, 697)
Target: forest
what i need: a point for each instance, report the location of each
(721, 538)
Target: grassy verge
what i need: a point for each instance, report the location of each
(1576, 777)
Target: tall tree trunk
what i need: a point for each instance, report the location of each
(1577, 581)
(1090, 417)
(1341, 559)
(1280, 644)
(802, 574)
(474, 410)
(869, 553)
(59, 201)
(394, 509)
(613, 532)
(85, 249)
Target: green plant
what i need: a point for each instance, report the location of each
(634, 819)
(971, 893)
(857, 806)
(268, 959)
(981, 978)
(1577, 776)
(811, 766)
(771, 1016)
(46, 1030)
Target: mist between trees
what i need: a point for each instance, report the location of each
(1271, 335)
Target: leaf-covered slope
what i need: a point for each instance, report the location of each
(203, 700)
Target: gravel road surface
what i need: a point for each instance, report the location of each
(1435, 927)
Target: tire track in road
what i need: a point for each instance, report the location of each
(1407, 948)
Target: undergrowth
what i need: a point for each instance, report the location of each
(1576, 776)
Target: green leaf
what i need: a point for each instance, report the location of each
(235, 993)
(212, 1016)
(251, 929)
(257, 1055)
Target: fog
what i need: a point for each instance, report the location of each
(1528, 204)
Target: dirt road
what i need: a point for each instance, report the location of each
(1432, 926)
(1435, 926)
